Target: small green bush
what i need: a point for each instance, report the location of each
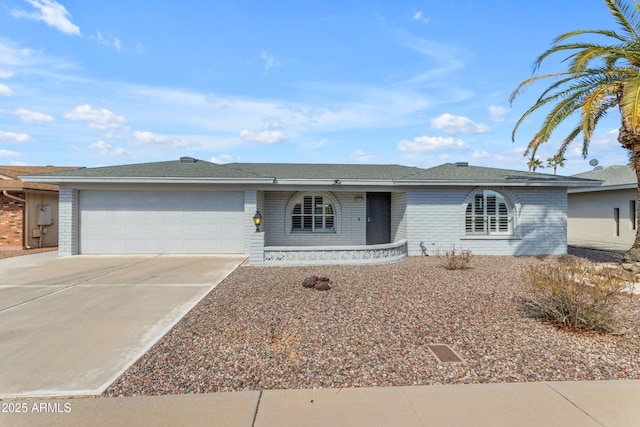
(576, 295)
(455, 259)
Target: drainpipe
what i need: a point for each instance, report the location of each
(26, 213)
(13, 197)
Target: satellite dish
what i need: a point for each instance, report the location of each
(593, 162)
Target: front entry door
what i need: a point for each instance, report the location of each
(378, 218)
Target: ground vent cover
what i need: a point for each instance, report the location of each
(444, 353)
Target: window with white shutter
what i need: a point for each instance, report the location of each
(489, 213)
(313, 213)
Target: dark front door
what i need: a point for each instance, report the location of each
(378, 218)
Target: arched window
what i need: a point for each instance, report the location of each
(489, 213)
(313, 213)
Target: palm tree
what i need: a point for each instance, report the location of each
(555, 161)
(600, 77)
(534, 163)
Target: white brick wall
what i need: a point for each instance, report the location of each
(350, 221)
(398, 216)
(68, 222)
(250, 207)
(436, 217)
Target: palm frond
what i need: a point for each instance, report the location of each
(599, 77)
(627, 19)
(630, 106)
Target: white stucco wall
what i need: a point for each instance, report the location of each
(591, 219)
(436, 217)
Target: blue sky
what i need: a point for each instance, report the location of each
(418, 83)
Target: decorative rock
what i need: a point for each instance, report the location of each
(322, 285)
(310, 282)
(319, 283)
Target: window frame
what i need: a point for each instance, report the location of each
(313, 213)
(489, 213)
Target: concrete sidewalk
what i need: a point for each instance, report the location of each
(584, 403)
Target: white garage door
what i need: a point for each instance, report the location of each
(114, 222)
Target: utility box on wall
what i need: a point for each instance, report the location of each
(45, 216)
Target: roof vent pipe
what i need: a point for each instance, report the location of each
(462, 164)
(187, 160)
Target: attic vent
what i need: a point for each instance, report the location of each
(462, 164)
(187, 160)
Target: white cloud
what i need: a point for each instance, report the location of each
(431, 143)
(97, 119)
(271, 133)
(5, 90)
(165, 141)
(362, 156)
(107, 149)
(222, 158)
(5, 74)
(447, 59)
(139, 47)
(7, 153)
(33, 116)
(50, 12)
(419, 16)
(269, 60)
(451, 124)
(110, 40)
(264, 137)
(498, 113)
(14, 137)
(481, 154)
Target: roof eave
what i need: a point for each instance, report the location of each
(506, 183)
(336, 182)
(605, 188)
(145, 180)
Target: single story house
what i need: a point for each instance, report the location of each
(604, 217)
(27, 209)
(311, 213)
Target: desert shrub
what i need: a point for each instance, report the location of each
(454, 259)
(576, 295)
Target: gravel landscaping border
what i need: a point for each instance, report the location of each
(260, 329)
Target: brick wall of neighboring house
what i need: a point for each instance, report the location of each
(11, 222)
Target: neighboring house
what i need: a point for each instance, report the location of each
(311, 213)
(28, 211)
(604, 217)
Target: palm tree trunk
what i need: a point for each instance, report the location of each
(631, 141)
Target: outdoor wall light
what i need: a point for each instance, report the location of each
(257, 220)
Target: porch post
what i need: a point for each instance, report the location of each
(254, 241)
(68, 222)
(256, 248)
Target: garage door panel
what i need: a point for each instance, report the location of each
(144, 222)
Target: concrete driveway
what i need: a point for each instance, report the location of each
(70, 326)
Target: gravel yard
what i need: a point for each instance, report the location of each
(260, 329)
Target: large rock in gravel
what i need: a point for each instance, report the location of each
(310, 282)
(322, 285)
(319, 283)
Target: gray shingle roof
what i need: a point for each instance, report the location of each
(326, 171)
(172, 169)
(194, 169)
(464, 172)
(611, 176)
